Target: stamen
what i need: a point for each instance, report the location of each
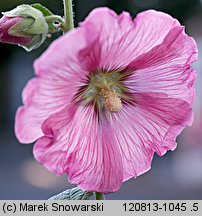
(112, 102)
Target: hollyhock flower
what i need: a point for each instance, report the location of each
(107, 96)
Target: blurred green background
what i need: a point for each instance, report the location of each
(177, 175)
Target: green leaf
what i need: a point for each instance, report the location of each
(43, 9)
(73, 194)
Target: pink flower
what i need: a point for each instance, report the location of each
(107, 96)
(7, 23)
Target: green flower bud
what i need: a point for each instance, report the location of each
(37, 22)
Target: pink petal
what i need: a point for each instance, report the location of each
(62, 57)
(166, 68)
(59, 76)
(149, 125)
(40, 101)
(122, 39)
(77, 144)
(99, 153)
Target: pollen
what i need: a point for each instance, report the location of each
(104, 91)
(112, 102)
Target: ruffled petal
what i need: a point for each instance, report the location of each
(149, 125)
(41, 98)
(166, 68)
(62, 56)
(122, 39)
(59, 76)
(76, 143)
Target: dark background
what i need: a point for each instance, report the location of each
(177, 175)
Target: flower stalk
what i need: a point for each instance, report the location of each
(68, 13)
(100, 196)
(55, 23)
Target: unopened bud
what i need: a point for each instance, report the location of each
(28, 26)
(31, 24)
(5, 24)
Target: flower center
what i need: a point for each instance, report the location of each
(112, 101)
(104, 90)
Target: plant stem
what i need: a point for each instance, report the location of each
(100, 196)
(68, 12)
(54, 27)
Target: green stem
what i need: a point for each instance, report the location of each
(68, 12)
(100, 196)
(54, 18)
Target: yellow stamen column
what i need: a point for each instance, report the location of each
(112, 102)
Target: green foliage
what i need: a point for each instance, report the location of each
(43, 9)
(73, 194)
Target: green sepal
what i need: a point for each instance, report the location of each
(43, 9)
(20, 28)
(33, 44)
